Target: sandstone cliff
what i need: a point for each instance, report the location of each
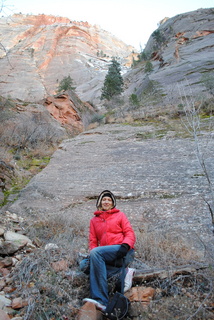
(181, 53)
(39, 51)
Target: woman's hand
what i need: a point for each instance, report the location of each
(124, 248)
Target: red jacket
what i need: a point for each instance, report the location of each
(110, 227)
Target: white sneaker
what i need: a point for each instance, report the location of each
(96, 303)
(128, 279)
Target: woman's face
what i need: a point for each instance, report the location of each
(106, 203)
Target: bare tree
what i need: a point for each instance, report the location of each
(202, 141)
(3, 11)
(5, 7)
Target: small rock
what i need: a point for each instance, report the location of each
(12, 216)
(18, 257)
(1, 232)
(37, 242)
(4, 315)
(2, 284)
(90, 310)
(8, 279)
(4, 272)
(6, 262)
(16, 229)
(9, 289)
(4, 302)
(1, 196)
(18, 303)
(30, 245)
(143, 294)
(61, 265)
(14, 261)
(50, 246)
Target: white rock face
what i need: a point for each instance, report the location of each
(180, 59)
(42, 50)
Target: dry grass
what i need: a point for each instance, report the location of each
(28, 139)
(163, 249)
(52, 294)
(181, 297)
(55, 295)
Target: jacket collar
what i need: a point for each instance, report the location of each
(99, 212)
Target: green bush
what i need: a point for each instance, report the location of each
(66, 84)
(148, 67)
(133, 99)
(97, 118)
(158, 37)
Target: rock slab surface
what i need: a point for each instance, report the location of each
(157, 182)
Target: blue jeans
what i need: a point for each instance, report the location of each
(101, 268)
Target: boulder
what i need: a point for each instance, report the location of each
(13, 242)
(8, 248)
(16, 238)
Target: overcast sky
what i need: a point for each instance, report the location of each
(132, 21)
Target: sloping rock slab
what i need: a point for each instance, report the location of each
(157, 182)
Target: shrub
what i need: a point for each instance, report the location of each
(133, 99)
(97, 118)
(162, 249)
(66, 84)
(208, 81)
(158, 37)
(148, 67)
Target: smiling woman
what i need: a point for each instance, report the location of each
(106, 198)
(111, 238)
(106, 203)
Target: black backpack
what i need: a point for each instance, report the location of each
(118, 306)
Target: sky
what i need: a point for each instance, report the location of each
(132, 21)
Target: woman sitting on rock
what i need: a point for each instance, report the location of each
(111, 238)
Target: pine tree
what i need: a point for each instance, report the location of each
(66, 84)
(113, 83)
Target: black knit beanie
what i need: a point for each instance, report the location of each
(106, 193)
